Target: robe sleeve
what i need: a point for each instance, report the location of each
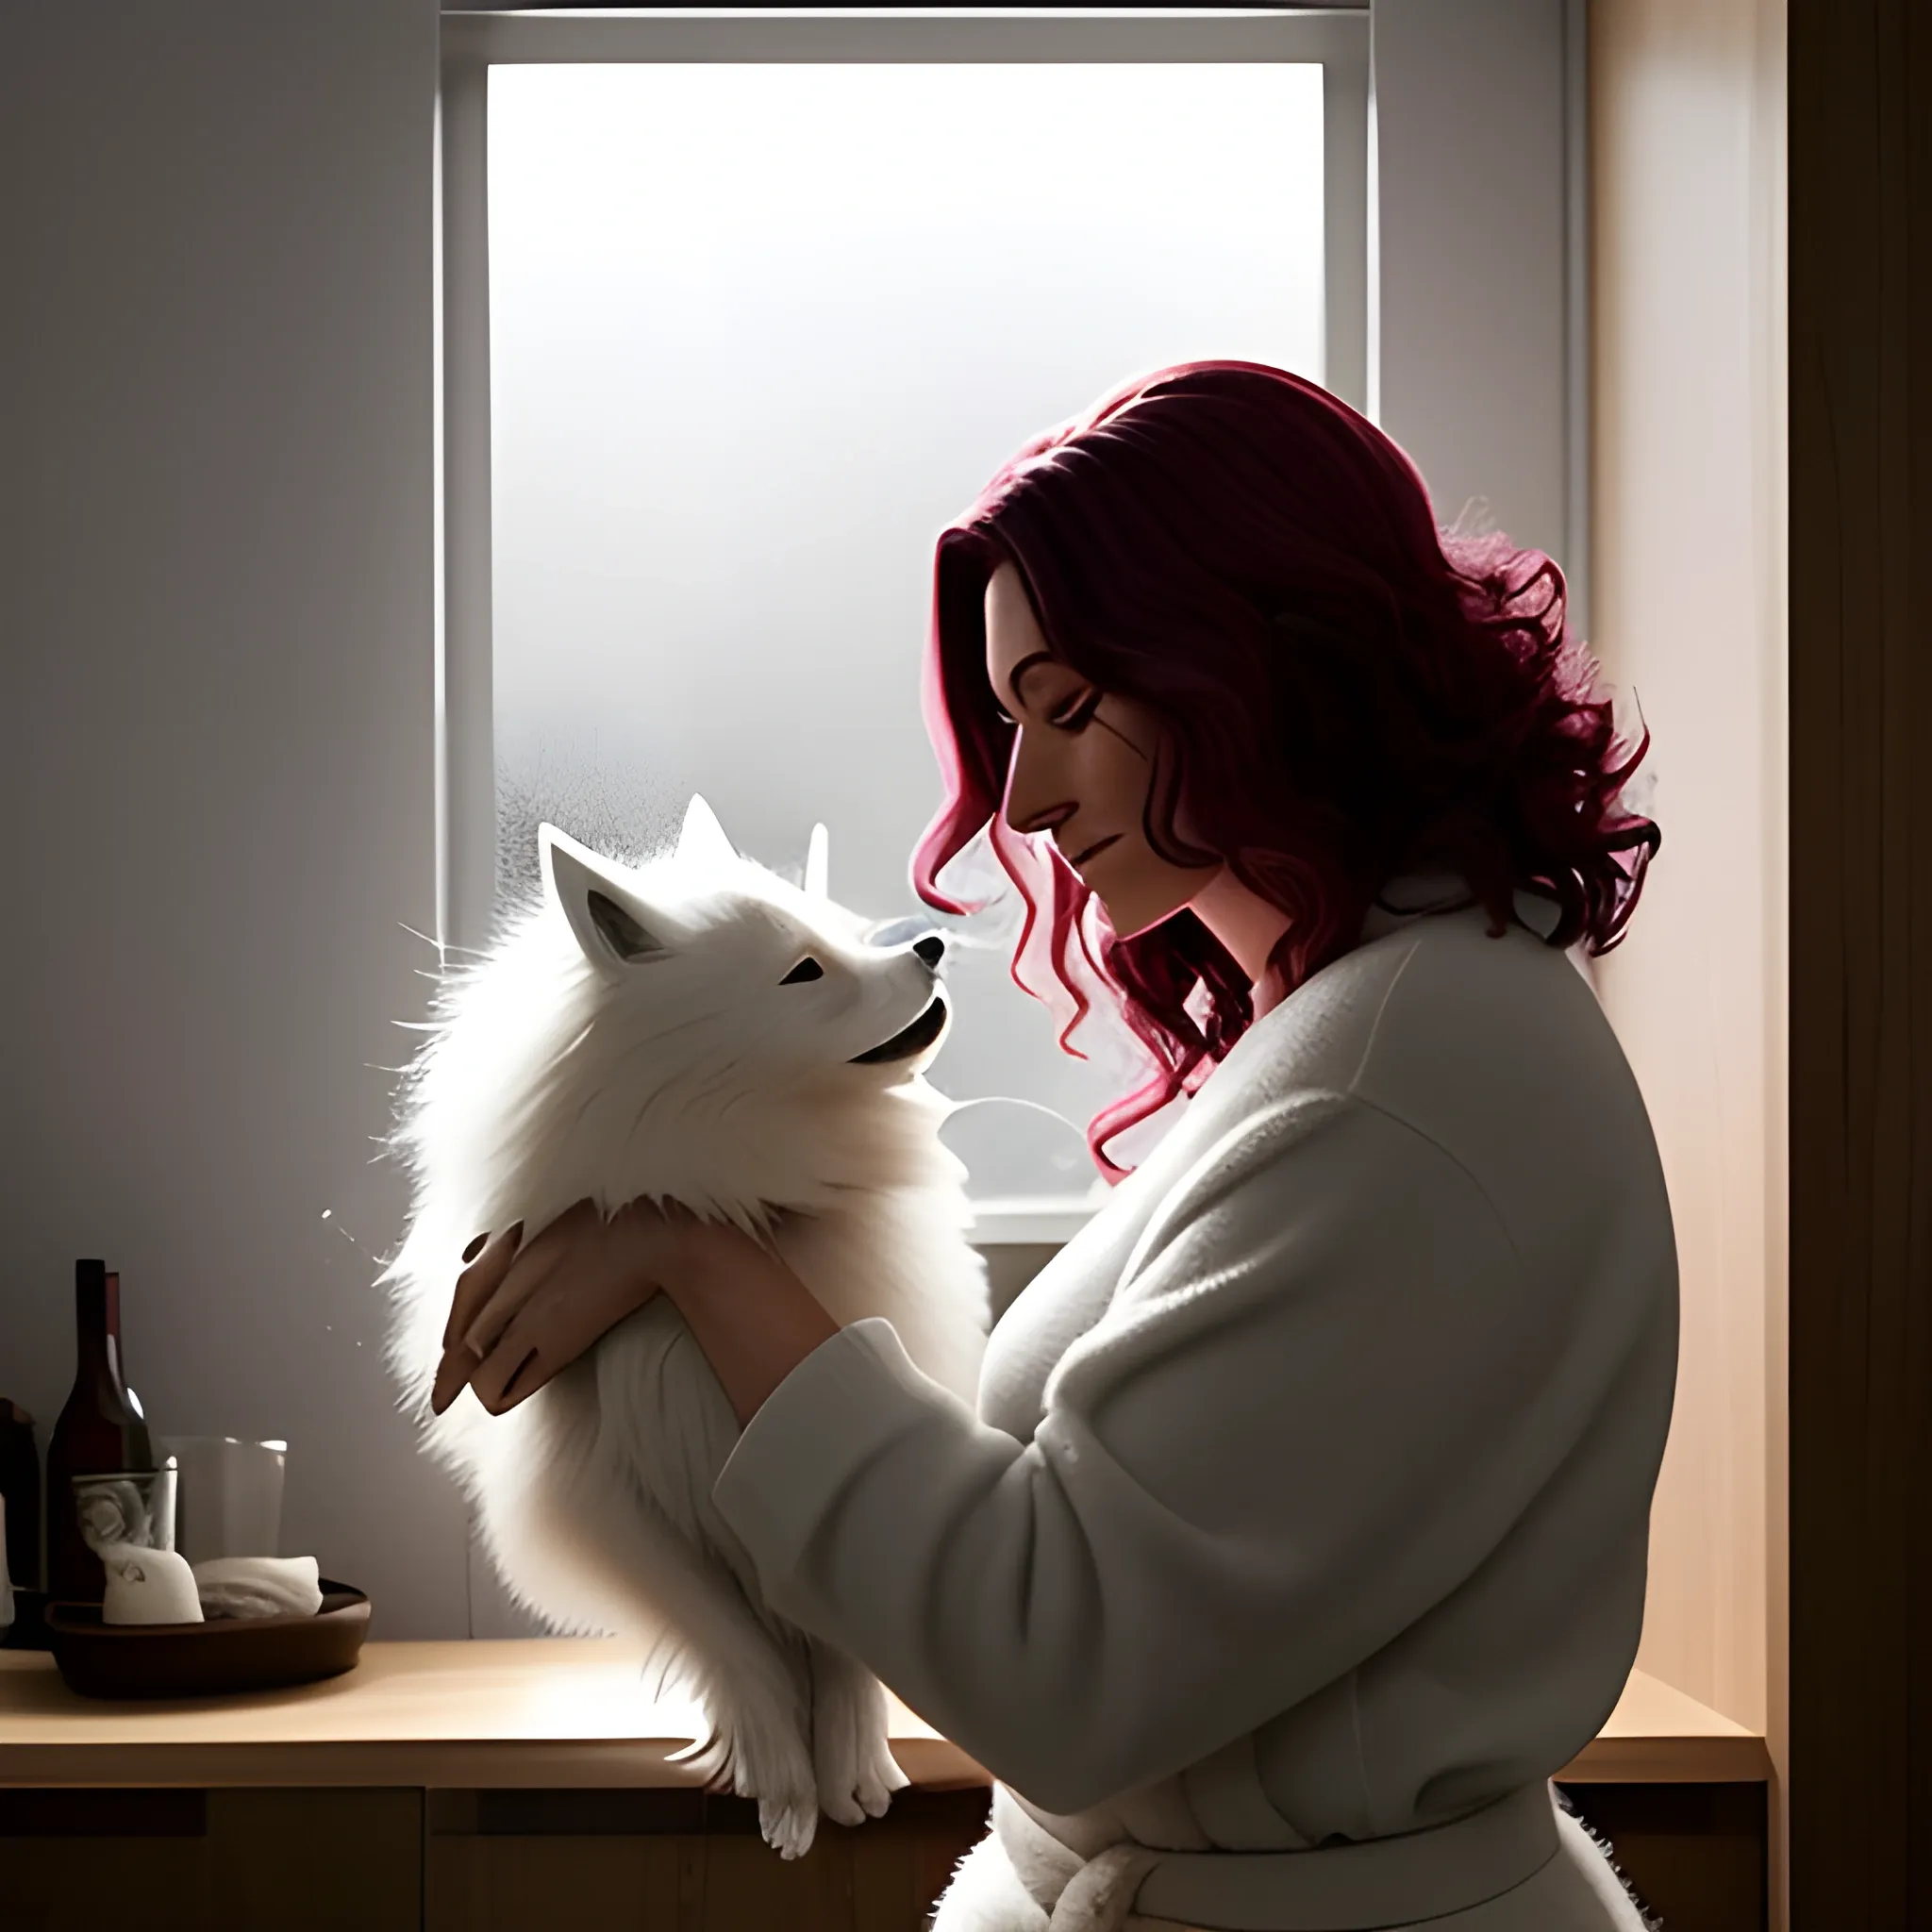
(1318, 1399)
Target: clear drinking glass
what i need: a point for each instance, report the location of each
(230, 1497)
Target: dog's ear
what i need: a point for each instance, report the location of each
(702, 838)
(817, 864)
(603, 909)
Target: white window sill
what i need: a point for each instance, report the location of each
(1028, 1218)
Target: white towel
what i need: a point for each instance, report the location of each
(147, 1586)
(259, 1587)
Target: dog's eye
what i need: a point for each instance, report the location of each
(807, 967)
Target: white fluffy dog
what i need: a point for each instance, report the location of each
(701, 1031)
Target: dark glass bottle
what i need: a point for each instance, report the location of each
(100, 1430)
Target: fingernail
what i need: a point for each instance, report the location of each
(475, 1247)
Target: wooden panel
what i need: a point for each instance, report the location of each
(511, 1884)
(1860, 1722)
(314, 1861)
(69, 1859)
(1695, 1853)
(1687, 111)
(57, 1886)
(660, 1862)
(95, 1813)
(219, 1861)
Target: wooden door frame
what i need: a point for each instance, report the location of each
(1860, 1765)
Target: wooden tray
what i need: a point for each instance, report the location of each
(223, 1656)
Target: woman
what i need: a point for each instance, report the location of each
(1301, 1532)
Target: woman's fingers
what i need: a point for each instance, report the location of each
(488, 1292)
(522, 1315)
(480, 1281)
(475, 1285)
(572, 1311)
(558, 1242)
(452, 1374)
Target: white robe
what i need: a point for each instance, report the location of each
(1308, 1496)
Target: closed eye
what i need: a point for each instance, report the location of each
(1070, 717)
(807, 967)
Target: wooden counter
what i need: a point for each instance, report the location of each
(546, 1712)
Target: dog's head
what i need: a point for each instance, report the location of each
(692, 1027)
(739, 977)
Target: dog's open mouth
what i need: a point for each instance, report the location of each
(908, 1041)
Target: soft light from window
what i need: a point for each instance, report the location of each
(757, 333)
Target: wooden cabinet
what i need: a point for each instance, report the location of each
(500, 1787)
(384, 1860)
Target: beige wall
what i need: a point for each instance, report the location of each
(1688, 478)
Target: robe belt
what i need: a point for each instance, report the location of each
(1353, 1887)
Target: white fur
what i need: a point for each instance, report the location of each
(671, 1062)
(986, 1895)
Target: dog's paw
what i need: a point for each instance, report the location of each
(878, 1780)
(789, 1825)
(857, 1771)
(769, 1762)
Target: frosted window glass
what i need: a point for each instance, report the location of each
(757, 333)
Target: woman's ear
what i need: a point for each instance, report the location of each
(614, 928)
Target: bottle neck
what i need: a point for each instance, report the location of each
(97, 1310)
(97, 1326)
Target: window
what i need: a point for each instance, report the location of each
(739, 313)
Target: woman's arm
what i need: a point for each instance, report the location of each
(1318, 1404)
(752, 1316)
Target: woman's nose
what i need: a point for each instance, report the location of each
(1036, 796)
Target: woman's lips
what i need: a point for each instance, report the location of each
(1101, 846)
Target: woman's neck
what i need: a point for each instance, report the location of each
(1247, 924)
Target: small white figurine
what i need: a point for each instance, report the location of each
(147, 1586)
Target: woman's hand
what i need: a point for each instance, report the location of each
(520, 1315)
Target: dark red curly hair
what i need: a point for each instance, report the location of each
(1348, 694)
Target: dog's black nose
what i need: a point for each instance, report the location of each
(928, 944)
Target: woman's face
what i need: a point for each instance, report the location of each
(1082, 764)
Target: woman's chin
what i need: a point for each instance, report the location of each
(1148, 897)
(1136, 897)
(1138, 915)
